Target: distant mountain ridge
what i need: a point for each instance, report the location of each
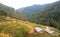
(28, 11)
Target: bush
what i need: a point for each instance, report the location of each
(23, 28)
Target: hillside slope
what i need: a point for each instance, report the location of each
(18, 28)
(10, 12)
(50, 16)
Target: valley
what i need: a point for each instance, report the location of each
(31, 21)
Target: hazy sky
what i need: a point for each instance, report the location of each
(23, 3)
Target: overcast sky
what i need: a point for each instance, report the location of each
(23, 3)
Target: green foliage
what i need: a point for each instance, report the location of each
(5, 10)
(23, 28)
(10, 12)
(2, 19)
(50, 16)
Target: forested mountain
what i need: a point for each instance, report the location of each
(10, 12)
(30, 10)
(6, 11)
(50, 16)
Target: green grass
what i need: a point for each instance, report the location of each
(23, 28)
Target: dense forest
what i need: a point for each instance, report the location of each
(50, 16)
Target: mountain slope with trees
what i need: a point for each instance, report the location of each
(50, 16)
(10, 12)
